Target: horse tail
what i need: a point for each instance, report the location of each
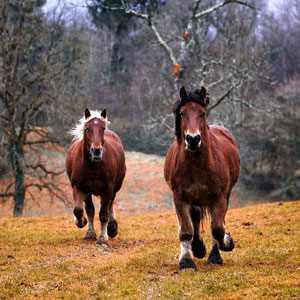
(204, 217)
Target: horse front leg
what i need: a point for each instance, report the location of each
(185, 234)
(221, 239)
(79, 197)
(90, 211)
(103, 216)
(112, 227)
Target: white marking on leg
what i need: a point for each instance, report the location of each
(103, 232)
(91, 225)
(186, 250)
(112, 213)
(227, 240)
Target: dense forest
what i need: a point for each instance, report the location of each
(131, 57)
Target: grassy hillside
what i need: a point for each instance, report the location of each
(46, 258)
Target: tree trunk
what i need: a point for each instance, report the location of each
(17, 163)
(19, 188)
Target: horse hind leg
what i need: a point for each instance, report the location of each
(198, 247)
(90, 211)
(112, 227)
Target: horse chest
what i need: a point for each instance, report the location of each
(92, 181)
(196, 192)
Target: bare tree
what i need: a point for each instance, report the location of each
(34, 59)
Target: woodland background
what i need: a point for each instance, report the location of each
(131, 57)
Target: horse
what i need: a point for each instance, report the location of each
(201, 167)
(95, 165)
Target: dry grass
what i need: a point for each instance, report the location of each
(46, 258)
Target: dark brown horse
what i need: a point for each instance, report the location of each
(201, 167)
(95, 165)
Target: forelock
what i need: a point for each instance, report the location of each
(78, 131)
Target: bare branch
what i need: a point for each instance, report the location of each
(157, 35)
(217, 6)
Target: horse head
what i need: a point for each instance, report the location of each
(94, 128)
(190, 117)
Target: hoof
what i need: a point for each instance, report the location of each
(187, 263)
(231, 244)
(198, 248)
(90, 235)
(215, 260)
(112, 229)
(82, 222)
(102, 242)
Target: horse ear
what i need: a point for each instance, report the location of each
(183, 92)
(103, 113)
(204, 95)
(87, 113)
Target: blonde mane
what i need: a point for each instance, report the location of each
(78, 130)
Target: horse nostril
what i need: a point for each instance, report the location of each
(188, 138)
(97, 151)
(197, 138)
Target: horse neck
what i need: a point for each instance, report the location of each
(84, 150)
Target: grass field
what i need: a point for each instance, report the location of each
(46, 258)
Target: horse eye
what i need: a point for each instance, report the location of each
(87, 129)
(181, 114)
(203, 114)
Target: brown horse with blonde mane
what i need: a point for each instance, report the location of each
(201, 168)
(95, 165)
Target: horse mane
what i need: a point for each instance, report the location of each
(78, 130)
(192, 96)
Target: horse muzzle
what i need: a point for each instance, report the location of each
(96, 153)
(192, 142)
